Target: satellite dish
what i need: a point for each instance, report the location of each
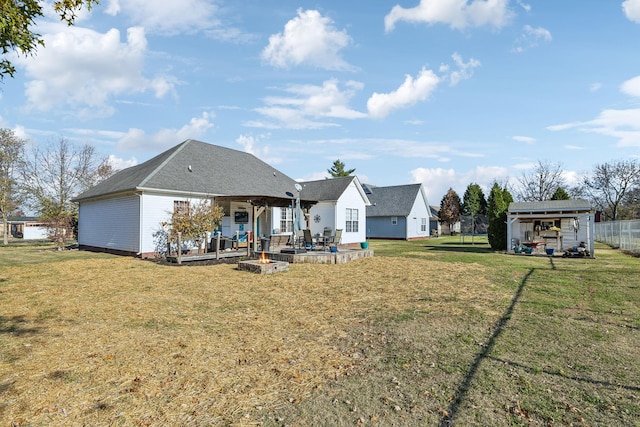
(298, 187)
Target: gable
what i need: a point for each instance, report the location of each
(331, 190)
(396, 200)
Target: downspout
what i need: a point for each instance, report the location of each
(140, 224)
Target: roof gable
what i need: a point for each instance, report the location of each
(330, 190)
(395, 200)
(195, 167)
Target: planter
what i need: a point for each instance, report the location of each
(550, 251)
(364, 245)
(334, 249)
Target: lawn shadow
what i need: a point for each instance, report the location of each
(480, 248)
(569, 377)
(461, 394)
(17, 326)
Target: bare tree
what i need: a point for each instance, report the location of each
(541, 183)
(11, 151)
(55, 174)
(610, 182)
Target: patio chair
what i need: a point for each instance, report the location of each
(308, 239)
(298, 238)
(335, 241)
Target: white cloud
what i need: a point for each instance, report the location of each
(631, 9)
(623, 125)
(308, 106)
(167, 17)
(81, 67)
(458, 14)
(525, 139)
(252, 145)
(631, 87)
(308, 39)
(464, 71)
(594, 87)
(136, 139)
(119, 163)
(531, 37)
(525, 6)
(410, 92)
(437, 181)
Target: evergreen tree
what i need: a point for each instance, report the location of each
(473, 201)
(450, 209)
(498, 203)
(337, 170)
(560, 194)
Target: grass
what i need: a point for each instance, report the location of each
(424, 333)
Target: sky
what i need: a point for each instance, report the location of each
(440, 92)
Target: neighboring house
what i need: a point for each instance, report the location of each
(434, 221)
(124, 213)
(398, 212)
(557, 224)
(28, 228)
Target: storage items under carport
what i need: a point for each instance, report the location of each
(551, 227)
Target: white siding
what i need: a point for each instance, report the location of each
(111, 223)
(419, 210)
(35, 233)
(327, 213)
(156, 209)
(352, 198)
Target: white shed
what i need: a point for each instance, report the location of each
(552, 224)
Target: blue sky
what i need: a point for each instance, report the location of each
(443, 92)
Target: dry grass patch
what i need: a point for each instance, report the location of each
(113, 340)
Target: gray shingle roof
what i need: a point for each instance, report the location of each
(550, 206)
(395, 200)
(194, 167)
(325, 189)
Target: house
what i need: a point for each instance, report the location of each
(434, 221)
(28, 228)
(341, 204)
(124, 214)
(398, 212)
(552, 224)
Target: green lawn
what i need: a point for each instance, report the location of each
(424, 333)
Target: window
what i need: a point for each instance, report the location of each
(423, 224)
(394, 220)
(351, 221)
(181, 206)
(286, 220)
